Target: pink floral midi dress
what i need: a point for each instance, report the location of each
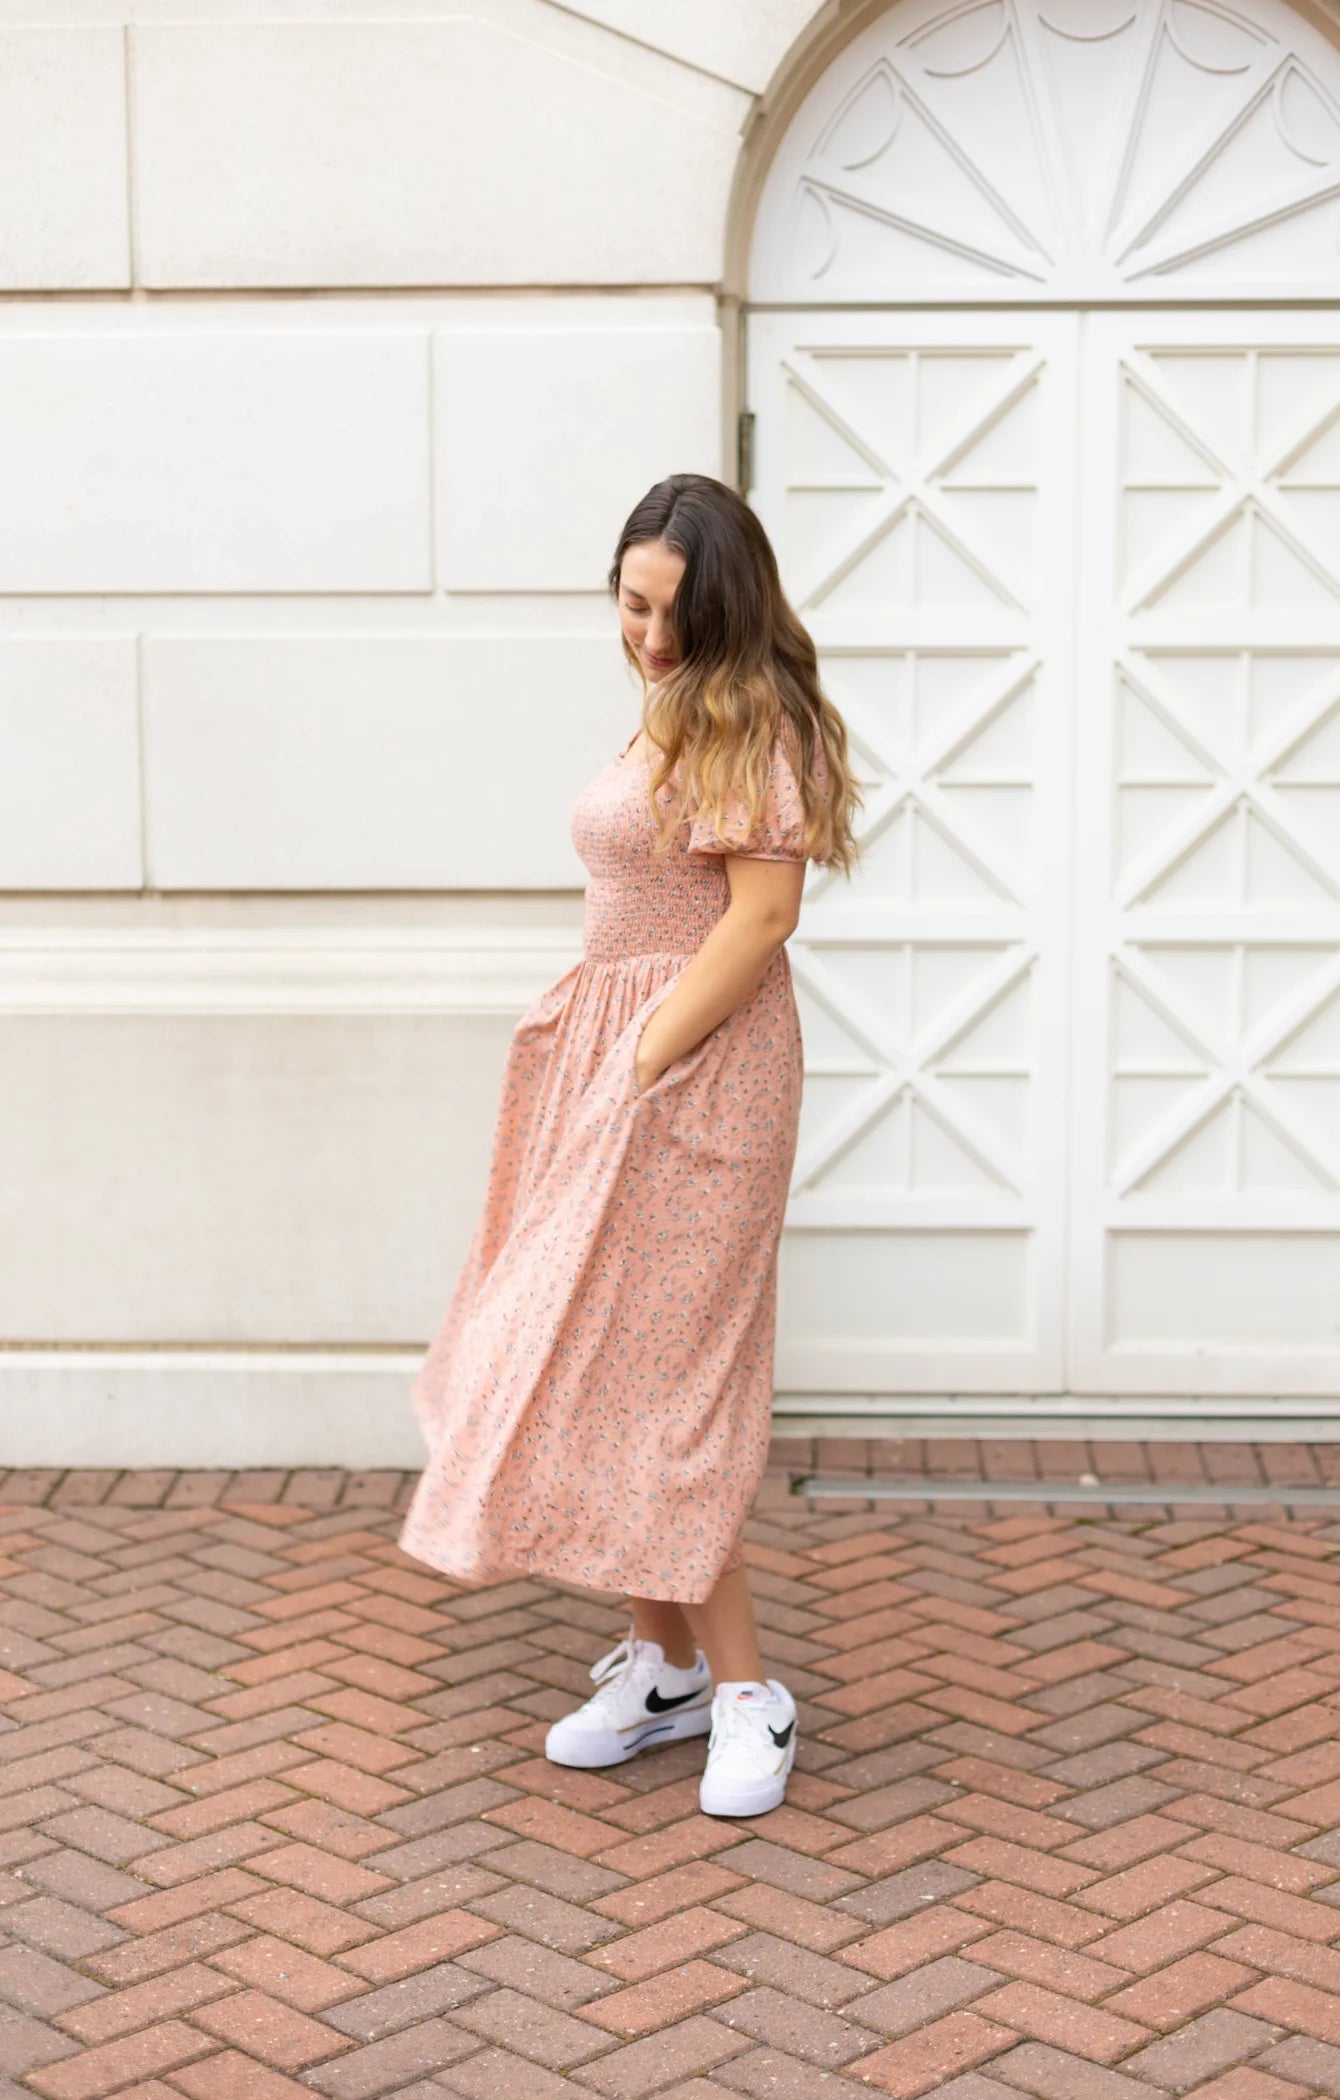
(597, 1401)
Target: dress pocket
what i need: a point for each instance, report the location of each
(679, 1067)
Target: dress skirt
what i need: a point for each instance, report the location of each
(597, 1400)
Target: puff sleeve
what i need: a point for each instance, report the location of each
(779, 835)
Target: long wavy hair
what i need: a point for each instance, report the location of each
(747, 673)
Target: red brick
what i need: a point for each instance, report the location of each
(1274, 1695)
(1276, 1954)
(1167, 1918)
(315, 1926)
(251, 1702)
(1029, 1789)
(234, 1805)
(1144, 1888)
(902, 1845)
(1246, 2084)
(359, 1747)
(510, 2019)
(1006, 1718)
(1007, 1819)
(364, 1711)
(1180, 1741)
(1045, 1875)
(204, 1855)
(97, 2071)
(1041, 1916)
(1060, 1968)
(1074, 1660)
(361, 1793)
(562, 1783)
(387, 1679)
(661, 2000)
(794, 1918)
(171, 1906)
(319, 1598)
(1151, 1942)
(194, 1939)
(674, 1940)
(871, 1693)
(1177, 1994)
(431, 1940)
(158, 1998)
(1321, 1806)
(551, 1824)
(263, 1761)
(1263, 1906)
(276, 2033)
(922, 2062)
(317, 1874)
(1161, 1596)
(906, 1945)
(1310, 1767)
(231, 2076)
(698, 1882)
(330, 1829)
(691, 2046)
(801, 1831)
(1294, 2005)
(1126, 1844)
(1086, 2030)
(1022, 1582)
(282, 1662)
(693, 1838)
(1280, 1870)
(301, 1980)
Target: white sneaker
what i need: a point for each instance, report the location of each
(643, 1701)
(751, 1749)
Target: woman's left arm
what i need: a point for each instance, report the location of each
(731, 963)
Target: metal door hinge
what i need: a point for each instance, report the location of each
(744, 451)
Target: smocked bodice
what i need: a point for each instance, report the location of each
(637, 904)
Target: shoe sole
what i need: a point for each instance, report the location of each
(591, 1749)
(740, 1804)
(724, 1800)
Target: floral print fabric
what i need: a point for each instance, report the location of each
(597, 1401)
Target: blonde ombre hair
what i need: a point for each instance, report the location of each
(747, 673)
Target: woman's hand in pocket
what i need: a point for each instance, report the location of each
(645, 1071)
(647, 1064)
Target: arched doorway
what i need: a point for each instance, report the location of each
(1043, 357)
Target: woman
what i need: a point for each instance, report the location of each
(597, 1400)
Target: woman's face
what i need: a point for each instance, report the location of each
(648, 579)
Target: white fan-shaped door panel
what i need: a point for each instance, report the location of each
(1052, 150)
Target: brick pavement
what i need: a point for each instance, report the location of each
(275, 1819)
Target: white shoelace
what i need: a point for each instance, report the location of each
(740, 1718)
(630, 1660)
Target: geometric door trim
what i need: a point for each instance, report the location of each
(1072, 1103)
(1205, 1173)
(916, 476)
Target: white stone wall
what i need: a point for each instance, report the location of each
(333, 352)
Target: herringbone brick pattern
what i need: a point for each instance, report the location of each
(275, 1819)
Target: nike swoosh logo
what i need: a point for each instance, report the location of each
(657, 1705)
(782, 1736)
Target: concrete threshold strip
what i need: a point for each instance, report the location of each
(817, 1489)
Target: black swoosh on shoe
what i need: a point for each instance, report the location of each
(657, 1705)
(781, 1736)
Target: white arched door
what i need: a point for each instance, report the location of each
(1072, 1111)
